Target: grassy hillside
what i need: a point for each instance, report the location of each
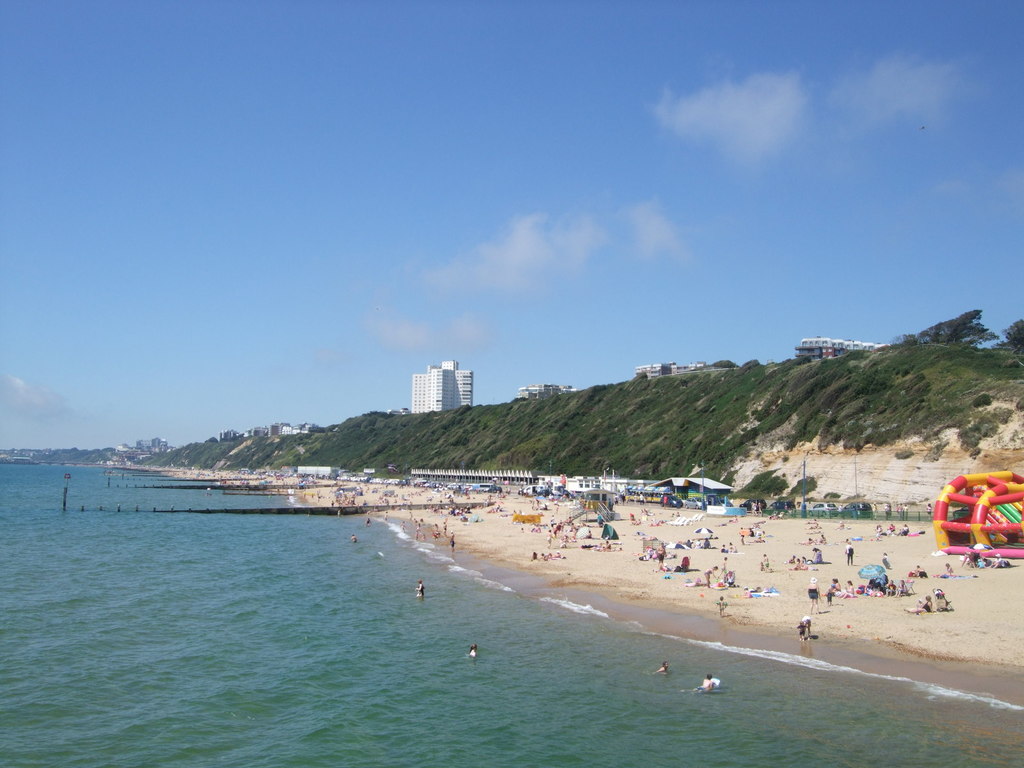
(657, 427)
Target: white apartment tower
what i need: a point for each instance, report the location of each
(441, 388)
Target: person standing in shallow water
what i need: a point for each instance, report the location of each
(420, 590)
(453, 543)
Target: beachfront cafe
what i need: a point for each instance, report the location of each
(700, 488)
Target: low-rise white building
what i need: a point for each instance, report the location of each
(543, 391)
(820, 347)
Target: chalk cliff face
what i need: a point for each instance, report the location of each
(906, 472)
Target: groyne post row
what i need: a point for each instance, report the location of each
(329, 511)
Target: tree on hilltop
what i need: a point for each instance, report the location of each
(1013, 338)
(964, 329)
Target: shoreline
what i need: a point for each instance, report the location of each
(873, 635)
(879, 661)
(971, 649)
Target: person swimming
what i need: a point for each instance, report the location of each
(663, 669)
(709, 684)
(472, 651)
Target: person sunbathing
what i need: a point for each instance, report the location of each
(923, 606)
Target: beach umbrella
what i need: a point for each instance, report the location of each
(704, 533)
(871, 571)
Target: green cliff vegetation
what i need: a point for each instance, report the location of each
(670, 425)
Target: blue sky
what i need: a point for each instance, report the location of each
(220, 215)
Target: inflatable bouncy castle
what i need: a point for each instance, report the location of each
(989, 515)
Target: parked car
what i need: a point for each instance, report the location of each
(824, 508)
(749, 504)
(858, 509)
(692, 504)
(857, 506)
(782, 506)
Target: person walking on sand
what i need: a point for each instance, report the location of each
(849, 552)
(420, 591)
(812, 593)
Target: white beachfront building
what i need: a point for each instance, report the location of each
(543, 391)
(442, 388)
(823, 347)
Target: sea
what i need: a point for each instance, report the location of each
(130, 637)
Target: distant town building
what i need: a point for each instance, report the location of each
(399, 412)
(442, 388)
(281, 428)
(543, 391)
(143, 449)
(668, 369)
(820, 347)
(229, 434)
(156, 445)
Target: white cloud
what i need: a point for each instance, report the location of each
(748, 121)
(397, 332)
(653, 233)
(530, 251)
(465, 332)
(31, 401)
(898, 88)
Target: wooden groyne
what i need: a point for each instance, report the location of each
(328, 511)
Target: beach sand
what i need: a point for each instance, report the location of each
(980, 638)
(976, 645)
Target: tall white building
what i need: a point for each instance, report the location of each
(441, 388)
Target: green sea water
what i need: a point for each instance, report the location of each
(140, 639)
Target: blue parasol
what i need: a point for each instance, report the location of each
(871, 571)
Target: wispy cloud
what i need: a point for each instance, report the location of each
(465, 332)
(748, 121)
(653, 233)
(31, 401)
(898, 88)
(532, 249)
(1011, 187)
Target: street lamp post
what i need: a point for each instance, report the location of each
(703, 490)
(803, 506)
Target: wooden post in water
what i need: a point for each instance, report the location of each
(64, 505)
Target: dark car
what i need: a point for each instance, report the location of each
(749, 504)
(671, 501)
(782, 506)
(857, 509)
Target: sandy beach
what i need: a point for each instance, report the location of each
(980, 637)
